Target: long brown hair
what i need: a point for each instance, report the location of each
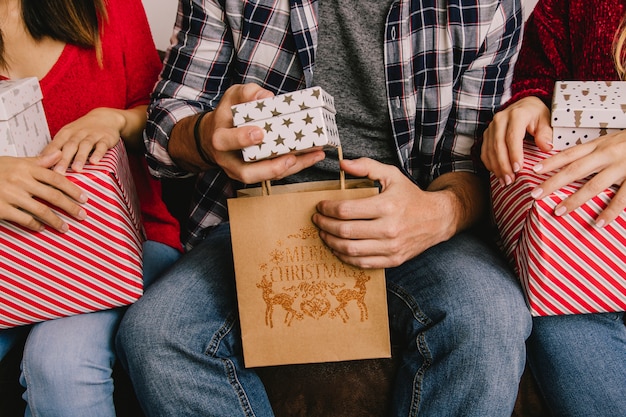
(619, 50)
(72, 21)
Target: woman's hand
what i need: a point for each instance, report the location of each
(28, 183)
(502, 148)
(88, 138)
(605, 157)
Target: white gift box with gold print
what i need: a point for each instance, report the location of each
(585, 110)
(23, 125)
(292, 122)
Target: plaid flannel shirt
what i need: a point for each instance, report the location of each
(448, 68)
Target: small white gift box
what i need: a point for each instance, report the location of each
(293, 122)
(585, 110)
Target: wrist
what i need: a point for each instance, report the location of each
(197, 137)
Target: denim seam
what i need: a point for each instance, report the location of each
(229, 366)
(216, 340)
(420, 343)
(422, 347)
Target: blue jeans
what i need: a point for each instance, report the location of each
(456, 310)
(67, 363)
(579, 362)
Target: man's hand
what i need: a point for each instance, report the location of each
(27, 180)
(385, 230)
(222, 142)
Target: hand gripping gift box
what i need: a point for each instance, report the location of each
(585, 110)
(23, 127)
(293, 122)
(96, 265)
(566, 264)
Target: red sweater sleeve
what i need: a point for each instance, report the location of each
(566, 40)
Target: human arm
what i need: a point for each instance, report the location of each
(405, 219)
(543, 59)
(28, 183)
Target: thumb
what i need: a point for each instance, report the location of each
(543, 131)
(367, 167)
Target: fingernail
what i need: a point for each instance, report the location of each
(290, 161)
(600, 223)
(64, 227)
(559, 211)
(501, 182)
(538, 167)
(83, 198)
(508, 180)
(82, 215)
(516, 167)
(256, 136)
(536, 193)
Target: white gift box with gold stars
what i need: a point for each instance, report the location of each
(585, 110)
(292, 122)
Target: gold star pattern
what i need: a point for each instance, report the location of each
(275, 113)
(288, 99)
(268, 127)
(234, 110)
(316, 93)
(247, 118)
(308, 119)
(319, 131)
(287, 122)
(260, 105)
(299, 135)
(279, 140)
(304, 106)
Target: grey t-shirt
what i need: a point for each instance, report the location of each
(349, 65)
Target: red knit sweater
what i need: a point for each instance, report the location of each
(76, 84)
(566, 40)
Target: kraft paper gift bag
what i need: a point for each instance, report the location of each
(298, 303)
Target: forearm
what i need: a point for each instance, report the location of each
(182, 144)
(465, 198)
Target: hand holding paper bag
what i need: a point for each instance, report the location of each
(298, 303)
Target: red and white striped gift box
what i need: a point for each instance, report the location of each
(566, 264)
(96, 265)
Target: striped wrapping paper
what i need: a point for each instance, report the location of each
(566, 264)
(96, 265)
